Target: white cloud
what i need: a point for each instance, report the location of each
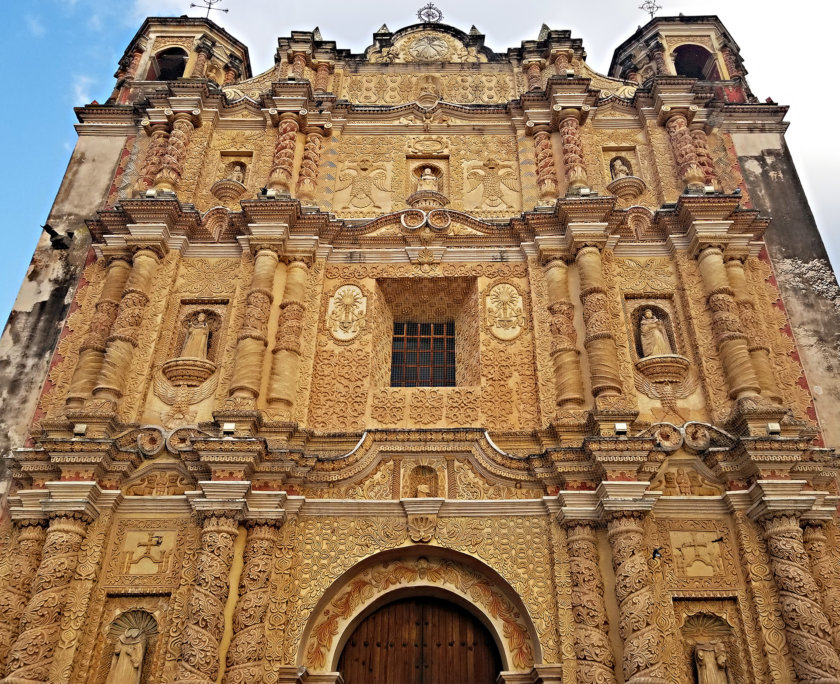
(81, 89)
(35, 26)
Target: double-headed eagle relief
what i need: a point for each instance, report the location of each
(359, 184)
(499, 185)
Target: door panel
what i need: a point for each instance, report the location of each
(420, 641)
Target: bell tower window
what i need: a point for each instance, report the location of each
(168, 65)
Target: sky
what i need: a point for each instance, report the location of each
(63, 53)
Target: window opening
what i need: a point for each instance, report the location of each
(423, 354)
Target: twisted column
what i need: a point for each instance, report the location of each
(659, 65)
(572, 150)
(599, 343)
(731, 62)
(595, 660)
(298, 65)
(544, 156)
(253, 336)
(726, 329)
(704, 157)
(26, 557)
(561, 63)
(204, 51)
(808, 630)
(308, 175)
(322, 77)
(756, 340)
(92, 353)
(123, 339)
(643, 641)
(199, 663)
(32, 652)
(565, 356)
(159, 133)
(176, 151)
(533, 72)
(280, 177)
(247, 648)
(282, 384)
(825, 572)
(685, 154)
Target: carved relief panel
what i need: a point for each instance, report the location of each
(145, 554)
(698, 554)
(346, 313)
(504, 312)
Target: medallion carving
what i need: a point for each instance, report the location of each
(346, 313)
(504, 311)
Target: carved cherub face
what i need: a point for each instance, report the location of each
(648, 313)
(201, 317)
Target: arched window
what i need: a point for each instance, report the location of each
(694, 61)
(168, 65)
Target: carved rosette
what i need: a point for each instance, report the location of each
(726, 327)
(308, 175)
(32, 653)
(592, 644)
(564, 353)
(546, 173)
(809, 631)
(24, 562)
(159, 133)
(247, 646)
(347, 313)
(600, 343)
(643, 641)
(826, 574)
(92, 352)
(682, 145)
(280, 177)
(199, 662)
(176, 151)
(573, 152)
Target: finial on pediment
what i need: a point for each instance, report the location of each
(543, 32)
(316, 34)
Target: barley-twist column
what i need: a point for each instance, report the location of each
(282, 384)
(176, 151)
(204, 51)
(159, 133)
(92, 353)
(561, 63)
(565, 356)
(659, 65)
(599, 343)
(572, 150)
(280, 177)
(756, 340)
(808, 630)
(26, 557)
(595, 660)
(533, 72)
(704, 157)
(682, 146)
(247, 648)
(298, 65)
(726, 329)
(32, 653)
(308, 175)
(322, 77)
(544, 156)
(253, 337)
(826, 574)
(731, 62)
(125, 330)
(643, 641)
(199, 662)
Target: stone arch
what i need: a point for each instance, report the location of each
(695, 61)
(168, 64)
(419, 571)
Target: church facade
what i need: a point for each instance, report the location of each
(425, 364)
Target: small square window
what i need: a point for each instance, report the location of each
(423, 354)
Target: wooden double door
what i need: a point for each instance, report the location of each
(420, 640)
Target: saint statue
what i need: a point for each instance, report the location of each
(428, 181)
(710, 659)
(238, 173)
(653, 335)
(127, 661)
(195, 346)
(619, 169)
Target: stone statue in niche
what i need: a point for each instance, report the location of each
(620, 168)
(653, 335)
(710, 660)
(428, 181)
(127, 661)
(198, 335)
(236, 172)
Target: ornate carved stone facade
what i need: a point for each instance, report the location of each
(429, 322)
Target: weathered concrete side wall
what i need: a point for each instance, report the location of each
(806, 280)
(42, 304)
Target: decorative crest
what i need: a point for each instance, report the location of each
(429, 14)
(209, 5)
(651, 7)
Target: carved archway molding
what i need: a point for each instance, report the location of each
(420, 571)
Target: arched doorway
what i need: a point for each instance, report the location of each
(420, 640)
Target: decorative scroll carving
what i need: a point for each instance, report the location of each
(205, 621)
(826, 574)
(592, 644)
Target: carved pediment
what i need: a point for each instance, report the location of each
(422, 44)
(685, 475)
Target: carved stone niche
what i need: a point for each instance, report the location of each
(234, 173)
(712, 646)
(624, 183)
(196, 346)
(655, 345)
(428, 180)
(130, 637)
